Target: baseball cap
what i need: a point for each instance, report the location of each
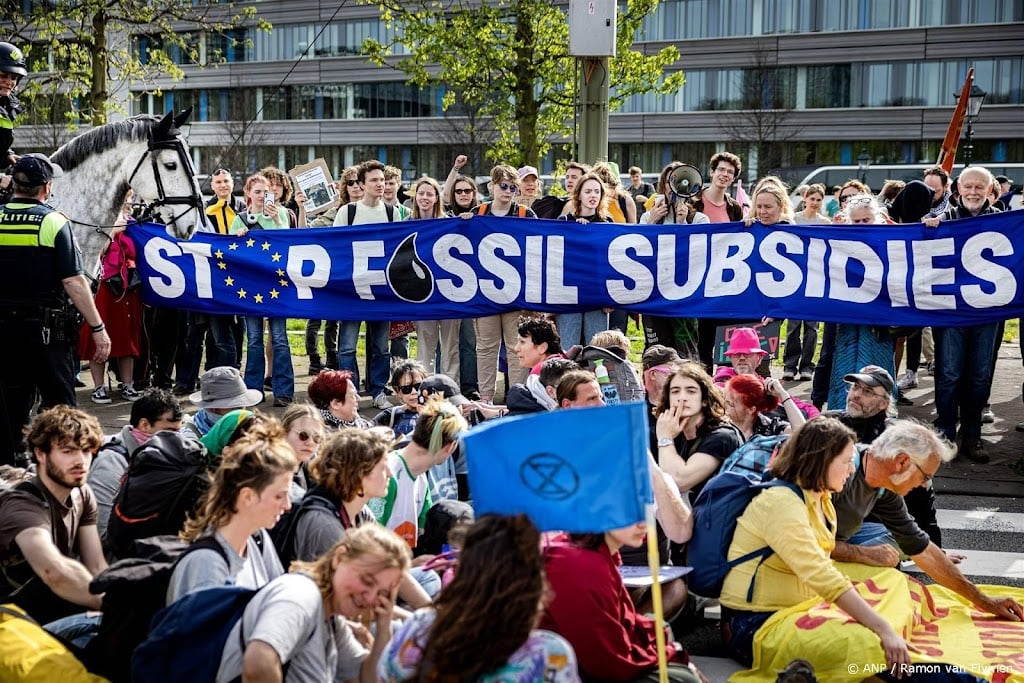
(528, 170)
(444, 385)
(657, 354)
(223, 387)
(873, 376)
(1003, 179)
(35, 169)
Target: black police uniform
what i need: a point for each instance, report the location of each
(38, 323)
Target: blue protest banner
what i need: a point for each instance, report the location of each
(961, 273)
(579, 470)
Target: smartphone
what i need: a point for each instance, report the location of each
(268, 198)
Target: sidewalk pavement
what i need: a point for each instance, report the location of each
(1005, 445)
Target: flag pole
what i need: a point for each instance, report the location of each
(947, 155)
(654, 561)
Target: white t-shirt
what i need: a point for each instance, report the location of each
(288, 615)
(365, 214)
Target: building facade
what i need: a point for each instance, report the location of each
(814, 81)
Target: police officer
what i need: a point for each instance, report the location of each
(12, 69)
(40, 270)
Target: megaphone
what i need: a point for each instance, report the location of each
(685, 181)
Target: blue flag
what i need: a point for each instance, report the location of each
(579, 470)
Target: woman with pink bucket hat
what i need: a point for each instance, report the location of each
(746, 355)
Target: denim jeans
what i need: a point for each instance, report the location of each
(963, 377)
(572, 325)
(77, 629)
(283, 376)
(379, 370)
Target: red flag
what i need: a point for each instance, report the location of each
(947, 155)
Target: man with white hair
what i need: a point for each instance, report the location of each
(964, 356)
(905, 456)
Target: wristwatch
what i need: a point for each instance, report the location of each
(665, 441)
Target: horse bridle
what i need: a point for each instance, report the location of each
(192, 201)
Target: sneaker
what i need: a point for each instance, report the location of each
(381, 402)
(79, 384)
(283, 401)
(974, 451)
(931, 368)
(99, 395)
(180, 391)
(902, 400)
(315, 370)
(908, 380)
(987, 416)
(130, 393)
(787, 375)
(806, 375)
(268, 382)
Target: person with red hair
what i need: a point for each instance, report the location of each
(749, 400)
(336, 397)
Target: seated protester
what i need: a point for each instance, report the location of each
(350, 471)
(750, 402)
(221, 390)
(405, 380)
(747, 358)
(538, 340)
(801, 531)
(694, 436)
(308, 619)
(155, 411)
(578, 389)
(248, 495)
(905, 456)
(49, 547)
(538, 394)
(404, 507)
(446, 478)
(304, 430)
(591, 608)
(336, 397)
(227, 431)
(440, 643)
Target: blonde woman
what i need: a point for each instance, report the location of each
(404, 507)
(304, 430)
(315, 620)
(248, 495)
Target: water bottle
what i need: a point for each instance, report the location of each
(608, 390)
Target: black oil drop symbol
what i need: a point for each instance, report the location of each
(408, 275)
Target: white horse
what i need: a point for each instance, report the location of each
(144, 153)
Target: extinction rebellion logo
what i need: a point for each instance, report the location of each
(550, 476)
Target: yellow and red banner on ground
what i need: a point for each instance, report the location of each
(941, 627)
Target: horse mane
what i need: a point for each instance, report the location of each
(103, 138)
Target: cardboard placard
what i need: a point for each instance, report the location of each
(315, 181)
(767, 334)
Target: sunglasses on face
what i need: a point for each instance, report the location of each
(350, 183)
(507, 187)
(467, 190)
(408, 388)
(846, 197)
(306, 436)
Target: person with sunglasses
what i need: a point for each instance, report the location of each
(462, 197)
(405, 380)
(304, 430)
(850, 189)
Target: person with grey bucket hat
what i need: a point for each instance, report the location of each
(221, 390)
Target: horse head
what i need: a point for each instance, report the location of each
(165, 180)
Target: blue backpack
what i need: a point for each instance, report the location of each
(720, 503)
(752, 458)
(186, 639)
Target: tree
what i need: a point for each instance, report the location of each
(764, 102)
(88, 49)
(509, 60)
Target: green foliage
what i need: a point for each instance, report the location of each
(509, 60)
(83, 51)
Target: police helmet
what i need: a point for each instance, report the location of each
(12, 60)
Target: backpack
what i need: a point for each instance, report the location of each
(166, 477)
(28, 653)
(621, 372)
(486, 206)
(133, 591)
(198, 624)
(388, 209)
(715, 512)
(283, 533)
(754, 458)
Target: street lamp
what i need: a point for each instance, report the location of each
(974, 102)
(863, 164)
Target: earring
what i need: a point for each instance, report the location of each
(360, 492)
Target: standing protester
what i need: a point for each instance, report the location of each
(41, 270)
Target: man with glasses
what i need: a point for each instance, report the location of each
(904, 457)
(868, 413)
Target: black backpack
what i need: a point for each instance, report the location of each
(133, 591)
(166, 477)
(283, 533)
